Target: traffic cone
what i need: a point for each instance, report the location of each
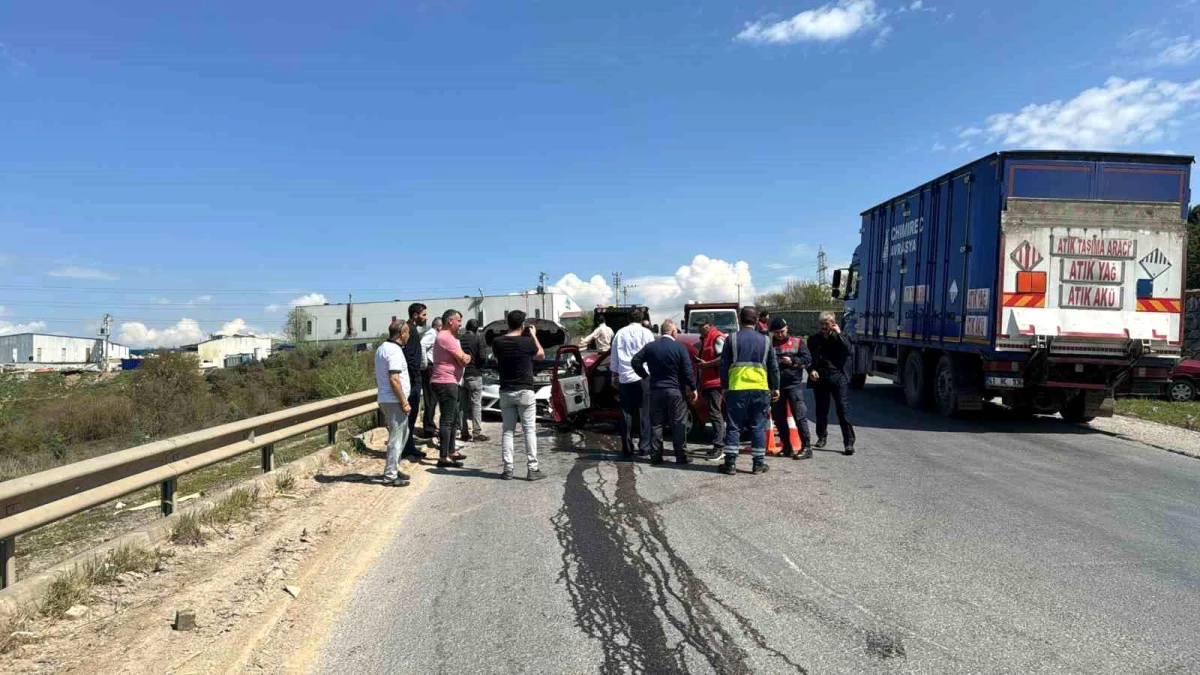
(793, 430)
(774, 446)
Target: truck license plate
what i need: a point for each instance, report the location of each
(1005, 382)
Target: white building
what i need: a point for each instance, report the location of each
(39, 349)
(212, 352)
(371, 319)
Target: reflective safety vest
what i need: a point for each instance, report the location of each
(748, 375)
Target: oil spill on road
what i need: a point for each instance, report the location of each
(885, 645)
(630, 590)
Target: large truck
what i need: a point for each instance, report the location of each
(1046, 279)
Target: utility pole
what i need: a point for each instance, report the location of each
(739, 286)
(625, 292)
(616, 288)
(105, 332)
(822, 268)
(542, 292)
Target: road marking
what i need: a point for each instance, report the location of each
(850, 601)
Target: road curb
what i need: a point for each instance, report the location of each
(1138, 420)
(29, 591)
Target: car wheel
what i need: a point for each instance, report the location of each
(915, 388)
(1182, 390)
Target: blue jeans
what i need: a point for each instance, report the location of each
(746, 408)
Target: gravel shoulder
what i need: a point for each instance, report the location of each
(1162, 436)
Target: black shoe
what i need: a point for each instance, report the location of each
(820, 443)
(449, 464)
(727, 469)
(807, 454)
(458, 457)
(656, 459)
(787, 453)
(683, 459)
(849, 450)
(715, 453)
(464, 438)
(507, 474)
(760, 468)
(480, 438)
(535, 474)
(415, 456)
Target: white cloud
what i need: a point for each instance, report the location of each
(586, 294)
(136, 334)
(9, 328)
(969, 132)
(821, 24)
(73, 272)
(273, 308)
(1121, 113)
(236, 327)
(203, 299)
(1182, 51)
(703, 280)
(303, 300)
(937, 146)
(881, 39)
(778, 266)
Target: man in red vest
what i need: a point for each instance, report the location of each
(708, 366)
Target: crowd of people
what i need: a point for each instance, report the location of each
(757, 372)
(441, 365)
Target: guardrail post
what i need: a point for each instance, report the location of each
(268, 457)
(8, 562)
(168, 496)
(331, 434)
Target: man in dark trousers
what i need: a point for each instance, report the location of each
(708, 362)
(831, 359)
(470, 395)
(794, 359)
(672, 387)
(417, 314)
(750, 376)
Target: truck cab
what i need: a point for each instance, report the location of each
(723, 315)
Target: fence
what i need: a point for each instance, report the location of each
(32, 501)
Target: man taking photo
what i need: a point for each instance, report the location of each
(515, 352)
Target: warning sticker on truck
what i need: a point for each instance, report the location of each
(977, 299)
(1090, 297)
(1097, 271)
(975, 326)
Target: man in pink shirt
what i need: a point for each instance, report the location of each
(446, 372)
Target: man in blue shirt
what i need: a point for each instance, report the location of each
(672, 387)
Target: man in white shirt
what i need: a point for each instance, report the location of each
(428, 423)
(394, 388)
(603, 335)
(635, 391)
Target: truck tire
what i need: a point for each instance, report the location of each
(916, 382)
(945, 387)
(858, 380)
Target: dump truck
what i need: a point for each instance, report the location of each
(1045, 279)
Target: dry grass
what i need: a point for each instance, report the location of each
(234, 508)
(187, 530)
(285, 482)
(74, 586)
(20, 619)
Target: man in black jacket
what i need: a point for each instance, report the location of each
(417, 315)
(672, 378)
(794, 359)
(831, 359)
(471, 392)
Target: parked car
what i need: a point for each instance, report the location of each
(551, 336)
(1184, 381)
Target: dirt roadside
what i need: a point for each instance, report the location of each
(317, 539)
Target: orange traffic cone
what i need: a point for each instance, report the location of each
(774, 444)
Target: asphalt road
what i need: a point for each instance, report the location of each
(984, 545)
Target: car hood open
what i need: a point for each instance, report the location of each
(549, 333)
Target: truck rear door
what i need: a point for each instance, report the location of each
(1092, 256)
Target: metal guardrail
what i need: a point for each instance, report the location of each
(32, 501)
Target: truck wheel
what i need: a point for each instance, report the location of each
(1074, 409)
(916, 388)
(858, 380)
(945, 389)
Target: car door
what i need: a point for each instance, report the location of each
(570, 392)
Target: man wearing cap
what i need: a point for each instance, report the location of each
(794, 359)
(750, 377)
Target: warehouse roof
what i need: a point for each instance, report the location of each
(71, 337)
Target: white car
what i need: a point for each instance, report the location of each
(551, 336)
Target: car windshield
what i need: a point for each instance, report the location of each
(724, 319)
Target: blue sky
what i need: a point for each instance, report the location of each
(214, 163)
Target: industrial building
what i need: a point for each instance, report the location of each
(216, 352)
(57, 351)
(344, 321)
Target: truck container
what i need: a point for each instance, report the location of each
(1042, 278)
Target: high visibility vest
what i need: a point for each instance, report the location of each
(748, 375)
